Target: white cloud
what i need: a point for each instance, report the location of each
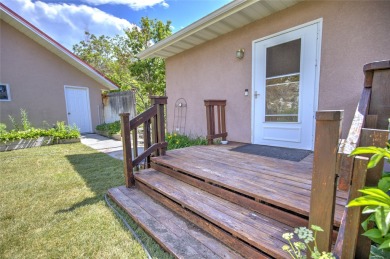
(134, 4)
(66, 23)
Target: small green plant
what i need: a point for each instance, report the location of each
(61, 131)
(376, 202)
(15, 125)
(26, 125)
(3, 128)
(111, 128)
(297, 249)
(176, 141)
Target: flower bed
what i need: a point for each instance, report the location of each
(36, 137)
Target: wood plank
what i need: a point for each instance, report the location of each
(380, 97)
(244, 249)
(322, 201)
(126, 144)
(353, 139)
(166, 239)
(345, 246)
(255, 229)
(190, 235)
(371, 121)
(282, 216)
(378, 138)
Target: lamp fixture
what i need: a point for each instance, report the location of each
(240, 53)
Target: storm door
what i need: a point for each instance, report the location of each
(284, 89)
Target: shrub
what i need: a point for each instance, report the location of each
(376, 202)
(3, 128)
(61, 131)
(176, 141)
(111, 128)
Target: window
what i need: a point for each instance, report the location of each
(4, 92)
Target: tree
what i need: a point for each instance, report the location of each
(110, 56)
(149, 73)
(117, 59)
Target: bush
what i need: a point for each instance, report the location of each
(176, 141)
(111, 128)
(61, 131)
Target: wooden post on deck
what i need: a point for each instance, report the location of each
(160, 101)
(127, 156)
(324, 180)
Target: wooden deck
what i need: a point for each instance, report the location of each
(280, 183)
(245, 201)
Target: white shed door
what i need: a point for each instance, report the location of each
(284, 89)
(77, 108)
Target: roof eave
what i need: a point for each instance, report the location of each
(216, 24)
(46, 41)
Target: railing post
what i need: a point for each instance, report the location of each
(160, 101)
(346, 243)
(127, 157)
(323, 190)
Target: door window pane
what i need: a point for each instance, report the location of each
(284, 59)
(282, 82)
(282, 97)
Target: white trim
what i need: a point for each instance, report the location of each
(88, 106)
(319, 23)
(8, 93)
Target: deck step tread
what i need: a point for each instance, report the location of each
(263, 182)
(253, 228)
(177, 235)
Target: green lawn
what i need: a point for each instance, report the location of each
(52, 206)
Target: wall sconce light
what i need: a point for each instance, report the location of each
(240, 53)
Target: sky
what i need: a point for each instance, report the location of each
(67, 20)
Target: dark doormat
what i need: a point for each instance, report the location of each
(291, 154)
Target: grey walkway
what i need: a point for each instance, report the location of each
(105, 145)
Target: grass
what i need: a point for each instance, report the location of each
(52, 206)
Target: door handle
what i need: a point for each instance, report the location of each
(256, 94)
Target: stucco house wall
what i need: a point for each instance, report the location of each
(354, 33)
(37, 78)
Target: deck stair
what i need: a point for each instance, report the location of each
(247, 202)
(242, 200)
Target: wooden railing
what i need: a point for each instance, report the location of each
(212, 122)
(330, 164)
(153, 123)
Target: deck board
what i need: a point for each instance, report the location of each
(260, 177)
(260, 231)
(175, 234)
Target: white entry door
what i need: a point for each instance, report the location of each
(77, 107)
(285, 82)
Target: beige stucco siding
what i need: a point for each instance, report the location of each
(354, 33)
(37, 78)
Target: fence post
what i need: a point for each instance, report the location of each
(160, 101)
(323, 190)
(126, 143)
